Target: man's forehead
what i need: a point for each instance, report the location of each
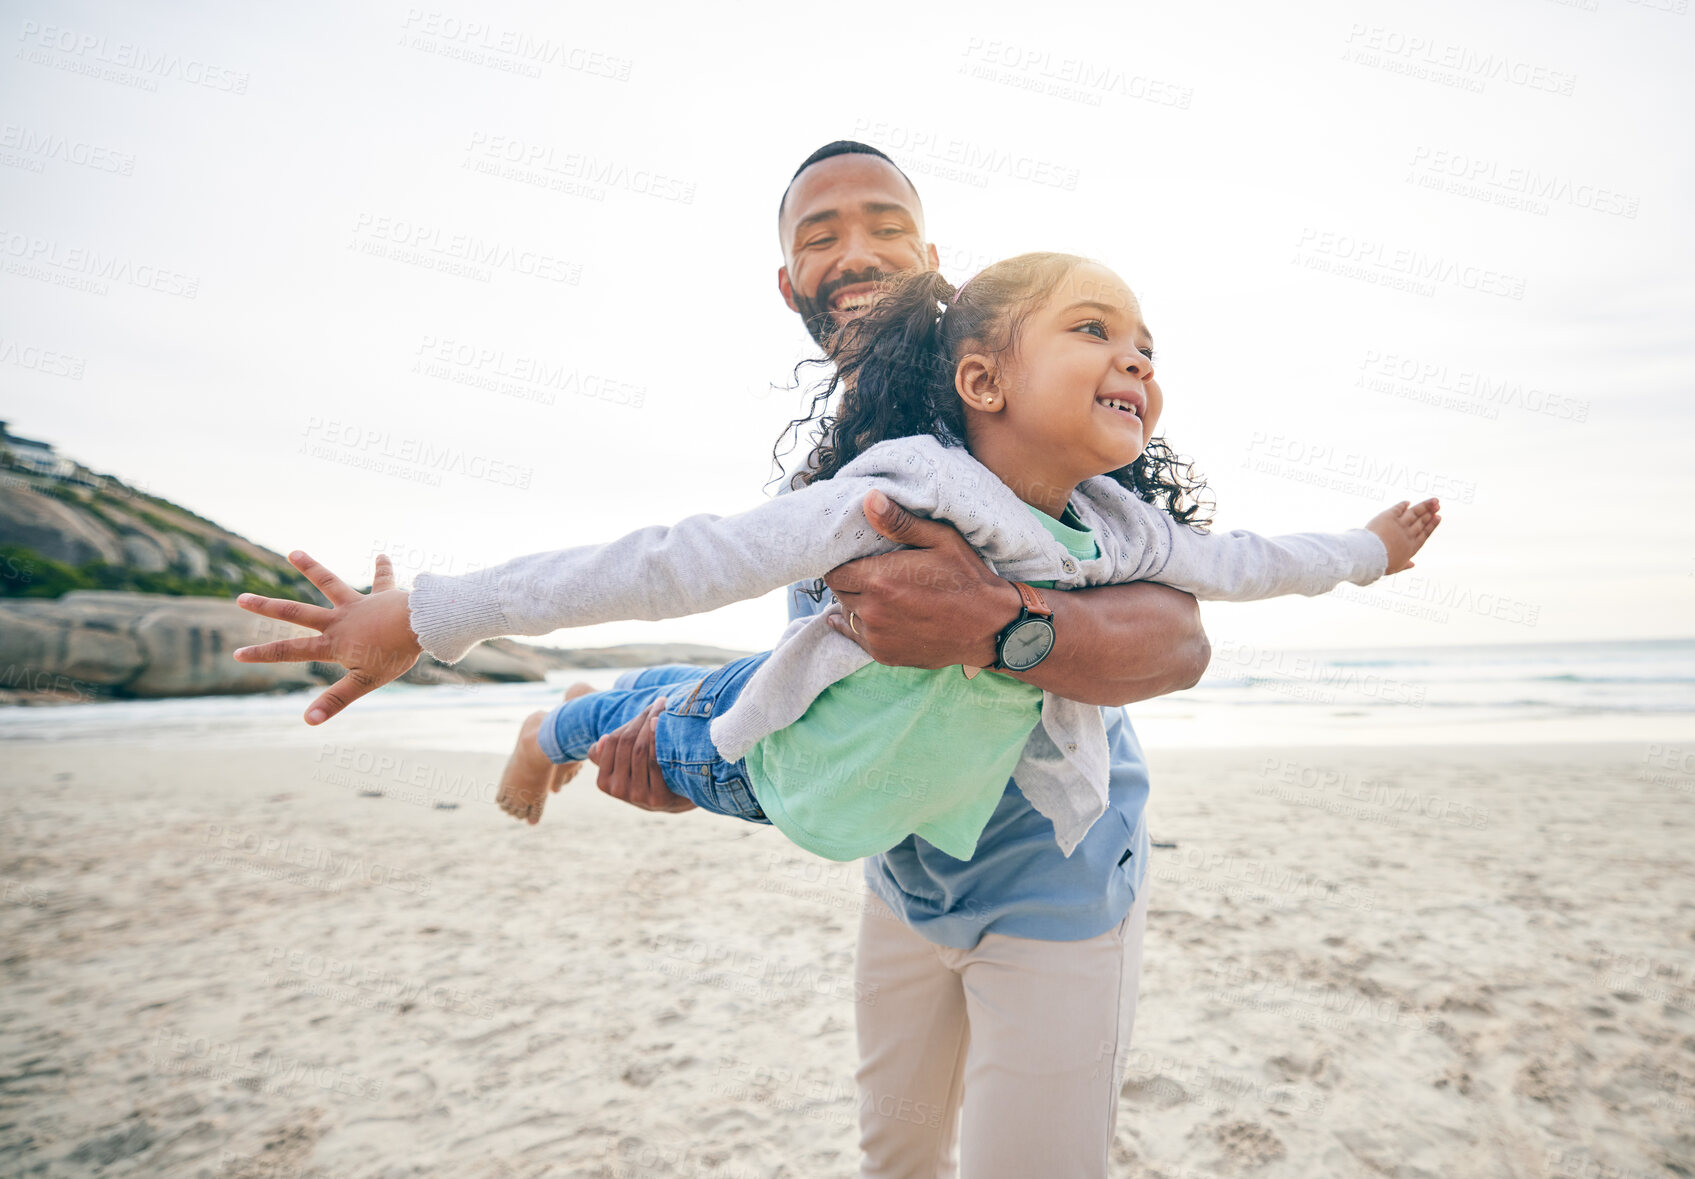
(845, 182)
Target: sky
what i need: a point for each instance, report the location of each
(470, 281)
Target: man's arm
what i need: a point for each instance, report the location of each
(1117, 644)
(937, 604)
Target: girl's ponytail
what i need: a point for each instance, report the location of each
(895, 375)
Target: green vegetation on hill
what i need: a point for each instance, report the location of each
(25, 573)
(223, 563)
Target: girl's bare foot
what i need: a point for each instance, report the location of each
(529, 776)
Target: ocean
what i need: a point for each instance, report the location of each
(1641, 690)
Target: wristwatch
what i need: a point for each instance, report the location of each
(1027, 639)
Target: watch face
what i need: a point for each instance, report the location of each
(1028, 644)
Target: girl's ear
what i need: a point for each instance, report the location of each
(978, 384)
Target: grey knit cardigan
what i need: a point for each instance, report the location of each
(705, 562)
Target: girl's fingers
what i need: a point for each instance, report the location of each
(284, 610)
(335, 589)
(383, 578)
(302, 650)
(339, 695)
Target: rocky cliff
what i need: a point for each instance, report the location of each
(57, 535)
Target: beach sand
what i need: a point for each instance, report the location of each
(230, 962)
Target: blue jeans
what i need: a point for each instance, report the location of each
(682, 743)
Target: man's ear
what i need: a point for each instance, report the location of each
(978, 384)
(935, 258)
(786, 288)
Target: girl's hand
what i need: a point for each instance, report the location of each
(368, 634)
(1404, 528)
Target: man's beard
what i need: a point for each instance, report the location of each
(815, 310)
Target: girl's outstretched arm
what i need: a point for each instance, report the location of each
(697, 564)
(368, 634)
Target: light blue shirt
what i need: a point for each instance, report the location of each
(1018, 882)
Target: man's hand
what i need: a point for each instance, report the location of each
(627, 768)
(935, 604)
(368, 634)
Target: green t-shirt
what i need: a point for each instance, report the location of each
(887, 752)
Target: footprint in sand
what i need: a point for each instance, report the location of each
(1249, 1144)
(1156, 1092)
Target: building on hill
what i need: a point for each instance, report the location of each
(34, 456)
(40, 458)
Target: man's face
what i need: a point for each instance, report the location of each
(850, 222)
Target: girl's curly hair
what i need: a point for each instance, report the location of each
(894, 368)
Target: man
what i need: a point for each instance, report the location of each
(1006, 985)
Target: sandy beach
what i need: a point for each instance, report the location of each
(246, 962)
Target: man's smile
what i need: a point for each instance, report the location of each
(854, 298)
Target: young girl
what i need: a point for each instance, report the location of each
(1023, 414)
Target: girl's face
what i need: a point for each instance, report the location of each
(1079, 380)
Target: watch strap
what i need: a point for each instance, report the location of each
(1031, 604)
(1034, 603)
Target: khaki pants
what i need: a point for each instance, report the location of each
(1000, 1061)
